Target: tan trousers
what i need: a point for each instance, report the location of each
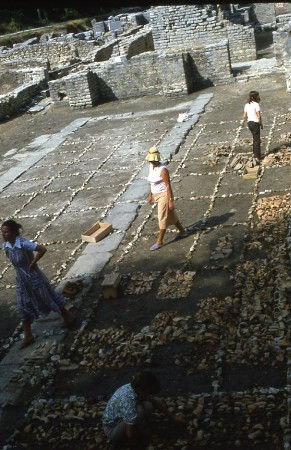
(165, 216)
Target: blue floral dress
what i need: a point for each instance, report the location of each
(35, 295)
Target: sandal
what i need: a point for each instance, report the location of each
(25, 343)
(155, 247)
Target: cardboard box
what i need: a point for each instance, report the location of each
(110, 285)
(249, 176)
(251, 173)
(97, 232)
(253, 170)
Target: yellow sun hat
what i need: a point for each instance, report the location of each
(153, 155)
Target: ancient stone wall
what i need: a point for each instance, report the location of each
(58, 92)
(11, 79)
(188, 26)
(263, 13)
(283, 20)
(279, 40)
(177, 26)
(140, 43)
(135, 77)
(208, 66)
(150, 73)
(11, 103)
(242, 44)
(57, 53)
(280, 36)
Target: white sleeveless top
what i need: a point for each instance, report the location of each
(157, 183)
(251, 109)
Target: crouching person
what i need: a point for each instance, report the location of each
(125, 419)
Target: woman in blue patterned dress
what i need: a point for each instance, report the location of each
(35, 295)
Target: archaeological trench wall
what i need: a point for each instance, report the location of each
(182, 27)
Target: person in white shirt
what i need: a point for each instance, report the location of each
(162, 193)
(252, 113)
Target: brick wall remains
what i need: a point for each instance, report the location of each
(283, 20)
(11, 79)
(150, 73)
(242, 43)
(180, 27)
(11, 103)
(263, 13)
(57, 53)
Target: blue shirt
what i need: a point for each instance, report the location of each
(20, 242)
(122, 407)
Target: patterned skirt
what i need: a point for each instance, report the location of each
(35, 296)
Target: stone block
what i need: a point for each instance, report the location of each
(110, 285)
(114, 25)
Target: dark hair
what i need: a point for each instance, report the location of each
(254, 96)
(146, 381)
(13, 226)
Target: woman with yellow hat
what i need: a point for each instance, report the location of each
(162, 193)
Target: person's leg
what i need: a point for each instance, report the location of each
(68, 317)
(161, 235)
(180, 227)
(254, 128)
(162, 203)
(28, 336)
(257, 141)
(117, 435)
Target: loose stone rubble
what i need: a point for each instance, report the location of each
(175, 284)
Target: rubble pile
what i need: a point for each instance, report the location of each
(240, 420)
(273, 208)
(118, 347)
(201, 356)
(241, 162)
(259, 336)
(215, 153)
(278, 159)
(139, 283)
(223, 249)
(217, 311)
(60, 423)
(175, 284)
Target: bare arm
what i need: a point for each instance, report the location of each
(259, 116)
(166, 179)
(150, 197)
(40, 251)
(245, 116)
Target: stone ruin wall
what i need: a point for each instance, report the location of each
(17, 87)
(11, 102)
(185, 48)
(281, 37)
(283, 20)
(190, 26)
(264, 13)
(135, 45)
(150, 73)
(56, 53)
